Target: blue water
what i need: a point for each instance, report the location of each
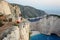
(34, 20)
(44, 37)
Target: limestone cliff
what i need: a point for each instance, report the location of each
(47, 25)
(20, 32)
(14, 26)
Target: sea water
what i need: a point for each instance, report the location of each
(44, 37)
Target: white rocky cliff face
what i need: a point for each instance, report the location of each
(14, 28)
(4, 7)
(20, 32)
(47, 25)
(14, 34)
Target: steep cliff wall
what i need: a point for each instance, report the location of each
(24, 30)
(18, 29)
(11, 34)
(20, 32)
(47, 25)
(4, 6)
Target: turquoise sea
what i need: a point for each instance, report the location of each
(45, 37)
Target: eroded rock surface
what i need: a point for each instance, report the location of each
(15, 27)
(47, 25)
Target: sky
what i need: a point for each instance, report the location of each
(49, 6)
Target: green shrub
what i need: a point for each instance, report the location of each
(1, 24)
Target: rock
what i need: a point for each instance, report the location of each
(24, 30)
(47, 25)
(10, 31)
(14, 34)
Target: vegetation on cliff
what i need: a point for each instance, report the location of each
(30, 12)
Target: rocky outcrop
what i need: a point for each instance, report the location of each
(10, 11)
(14, 26)
(24, 30)
(47, 25)
(4, 8)
(20, 32)
(11, 33)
